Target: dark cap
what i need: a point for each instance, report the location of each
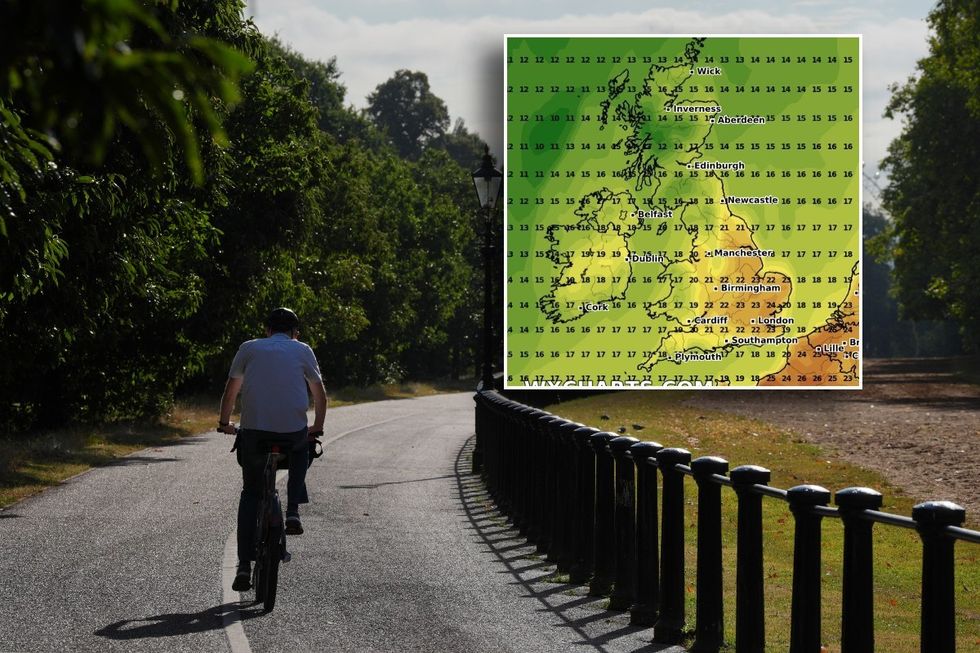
(282, 319)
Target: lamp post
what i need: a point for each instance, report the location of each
(488, 181)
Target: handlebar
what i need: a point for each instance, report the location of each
(277, 446)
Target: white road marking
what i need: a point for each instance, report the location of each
(232, 619)
(365, 427)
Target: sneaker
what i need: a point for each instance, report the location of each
(293, 525)
(243, 578)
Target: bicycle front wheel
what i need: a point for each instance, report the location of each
(270, 565)
(259, 574)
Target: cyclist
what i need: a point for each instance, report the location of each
(273, 374)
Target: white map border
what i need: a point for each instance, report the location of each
(610, 385)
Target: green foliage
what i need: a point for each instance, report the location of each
(107, 339)
(169, 180)
(267, 181)
(409, 237)
(934, 191)
(885, 335)
(880, 312)
(327, 94)
(82, 69)
(405, 109)
(464, 147)
(107, 120)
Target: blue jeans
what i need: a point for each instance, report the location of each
(252, 459)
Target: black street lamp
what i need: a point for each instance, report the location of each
(488, 181)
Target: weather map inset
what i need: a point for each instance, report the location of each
(683, 211)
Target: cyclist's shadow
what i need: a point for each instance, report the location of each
(181, 623)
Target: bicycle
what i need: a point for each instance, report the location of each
(270, 533)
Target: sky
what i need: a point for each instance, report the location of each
(459, 45)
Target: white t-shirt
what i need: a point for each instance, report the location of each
(274, 372)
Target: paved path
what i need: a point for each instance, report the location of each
(401, 553)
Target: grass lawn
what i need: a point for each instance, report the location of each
(30, 463)
(407, 390)
(744, 441)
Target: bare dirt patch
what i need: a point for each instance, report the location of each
(917, 421)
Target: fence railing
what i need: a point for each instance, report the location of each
(588, 500)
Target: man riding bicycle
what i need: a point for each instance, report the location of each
(273, 374)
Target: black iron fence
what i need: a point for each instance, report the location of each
(589, 501)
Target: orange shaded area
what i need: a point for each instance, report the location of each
(743, 308)
(731, 232)
(704, 277)
(829, 355)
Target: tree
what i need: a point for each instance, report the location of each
(110, 113)
(268, 212)
(880, 311)
(167, 175)
(79, 70)
(934, 190)
(407, 110)
(408, 229)
(77, 77)
(463, 146)
(327, 94)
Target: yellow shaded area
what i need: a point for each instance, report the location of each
(707, 315)
(592, 256)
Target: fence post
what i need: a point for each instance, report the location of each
(508, 459)
(503, 458)
(581, 568)
(480, 432)
(644, 610)
(549, 480)
(625, 520)
(543, 476)
(938, 597)
(566, 491)
(513, 462)
(750, 619)
(670, 624)
(525, 460)
(710, 624)
(804, 631)
(857, 604)
(488, 434)
(534, 478)
(603, 542)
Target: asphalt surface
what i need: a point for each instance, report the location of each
(402, 552)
